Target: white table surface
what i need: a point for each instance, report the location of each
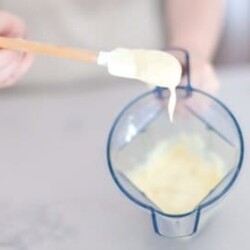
(55, 188)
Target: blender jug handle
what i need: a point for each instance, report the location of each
(175, 226)
(186, 65)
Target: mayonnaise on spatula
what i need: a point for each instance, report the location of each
(153, 67)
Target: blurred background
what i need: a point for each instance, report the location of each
(104, 25)
(234, 47)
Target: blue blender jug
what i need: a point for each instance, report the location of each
(144, 122)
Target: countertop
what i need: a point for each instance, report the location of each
(55, 188)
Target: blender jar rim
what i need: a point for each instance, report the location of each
(201, 206)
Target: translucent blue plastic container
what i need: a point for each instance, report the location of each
(144, 122)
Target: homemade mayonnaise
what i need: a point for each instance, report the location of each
(156, 68)
(178, 174)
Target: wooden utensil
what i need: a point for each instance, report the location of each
(48, 49)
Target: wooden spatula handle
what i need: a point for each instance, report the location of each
(48, 49)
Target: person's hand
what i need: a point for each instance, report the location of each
(13, 65)
(203, 76)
